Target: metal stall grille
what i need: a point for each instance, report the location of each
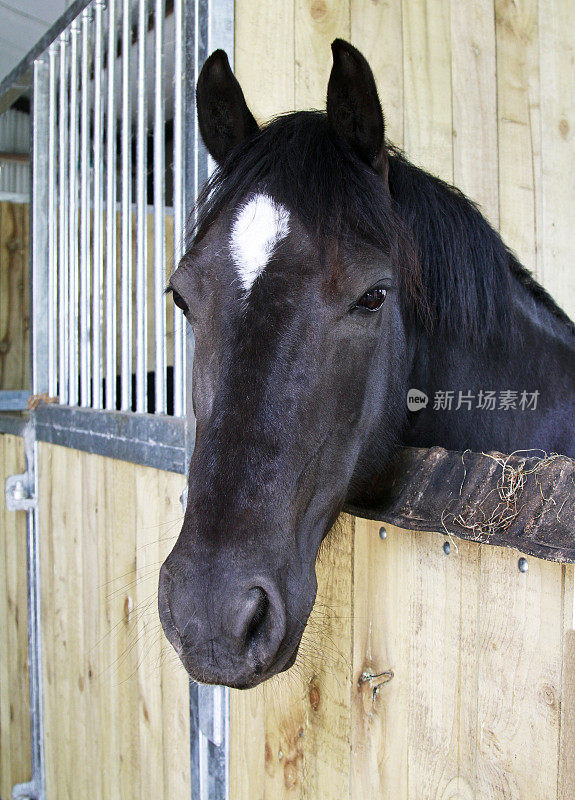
(114, 144)
(116, 164)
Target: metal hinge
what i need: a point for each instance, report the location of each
(26, 791)
(20, 489)
(19, 496)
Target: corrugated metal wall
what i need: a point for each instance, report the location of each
(14, 139)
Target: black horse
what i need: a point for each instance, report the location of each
(343, 302)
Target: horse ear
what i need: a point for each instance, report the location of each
(224, 118)
(353, 106)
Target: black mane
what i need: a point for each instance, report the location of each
(455, 271)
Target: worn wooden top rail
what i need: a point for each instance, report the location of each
(525, 500)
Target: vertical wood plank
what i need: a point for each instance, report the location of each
(291, 736)
(379, 744)
(519, 124)
(317, 24)
(435, 735)
(122, 499)
(377, 30)
(557, 68)
(566, 778)
(175, 681)
(93, 540)
(116, 708)
(307, 715)
(14, 296)
(149, 516)
(520, 652)
(473, 69)
(55, 622)
(72, 544)
(264, 51)
(111, 582)
(248, 752)
(427, 82)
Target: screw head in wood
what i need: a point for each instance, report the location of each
(523, 565)
(382, 533)
(446, 548)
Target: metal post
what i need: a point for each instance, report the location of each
(178, 197)
(210, 25)
(111, 213)
(126, 370)
(36, 788)
(159, 213)
(85, 214)
(97, 269)
(40, 264)
(40, 228)
(141, 218)
(52, 315)
(73, 219)
(63, 222)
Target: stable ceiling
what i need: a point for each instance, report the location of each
(22, 24)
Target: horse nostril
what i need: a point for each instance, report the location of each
(255, 627)
(256, 624)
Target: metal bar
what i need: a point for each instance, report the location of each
(44, 86)
(214, 26)
(154, 440)
(85, 283)
(178, 198)
(36, 787)
(63, 223)
(195, 154)
(141, 217)
(126, 370)
(73, 219)
(159, 213)
(51, 222)
(40, 230)
(111, 212)
(39, 275)
(97, 267)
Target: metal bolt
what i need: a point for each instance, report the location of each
(446, 548)
(20, 492)
(382, 533)
(523, 565)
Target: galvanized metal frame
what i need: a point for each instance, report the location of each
(59, 60)
(35, 789)
(159, 209)
(13, 399)
(110, 288)
(207, 25)
(97, 218)
(148, 439)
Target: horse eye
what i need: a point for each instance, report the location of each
(373, 299)
(179, 301)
